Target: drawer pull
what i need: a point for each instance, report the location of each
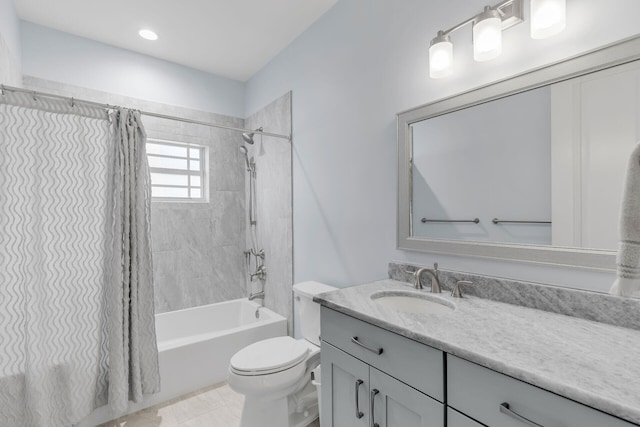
(372, 350)
(358, 413)
(504, 408)
(373, 400)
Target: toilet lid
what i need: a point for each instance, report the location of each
(270, 355)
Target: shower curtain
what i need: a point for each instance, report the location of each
(76, 293)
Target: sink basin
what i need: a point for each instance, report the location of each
(413, 302)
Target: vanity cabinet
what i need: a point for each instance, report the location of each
(366, 370)
(456, 419)
(369, 370)
(498, 400)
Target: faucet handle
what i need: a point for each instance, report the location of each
(435, 267)
(456, 292)
(417, 284)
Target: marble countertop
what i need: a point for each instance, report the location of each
(592, 363)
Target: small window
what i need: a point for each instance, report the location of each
(178, 171)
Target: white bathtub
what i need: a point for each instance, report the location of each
(196, 344)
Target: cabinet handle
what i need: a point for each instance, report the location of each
(373, 400)
(358, 413)
(372, 350)
(504, 408)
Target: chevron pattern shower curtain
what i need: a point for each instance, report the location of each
(76, 295)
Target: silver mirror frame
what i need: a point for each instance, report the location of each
(609, 56)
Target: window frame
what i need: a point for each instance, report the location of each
(202, 173)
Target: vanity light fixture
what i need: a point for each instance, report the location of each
(148, 34)
(487, 35)
(440, 56)
(547, 19)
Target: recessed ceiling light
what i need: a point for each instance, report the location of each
(148, 34)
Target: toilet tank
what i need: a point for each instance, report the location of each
(309, 310)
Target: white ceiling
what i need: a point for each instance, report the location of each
(230, 38)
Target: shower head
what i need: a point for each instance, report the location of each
(246, 155)
(248, 136)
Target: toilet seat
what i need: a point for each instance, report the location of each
(269, 356)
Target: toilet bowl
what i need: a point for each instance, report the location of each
(274, 374)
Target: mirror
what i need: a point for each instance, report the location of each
(531, 168)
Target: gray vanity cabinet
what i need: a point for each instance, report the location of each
(344, 379)
(398, 405)
(497, 400)
(386, 373)
(393, 403)
(456, 419)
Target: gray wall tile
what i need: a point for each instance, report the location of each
(274, 215)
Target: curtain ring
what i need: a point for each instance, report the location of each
(73, 102)
(2, 90)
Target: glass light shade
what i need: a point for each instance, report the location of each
(548, 18)
(487, 36)
(440, 59)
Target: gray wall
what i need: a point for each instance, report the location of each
(197, 247)
(62, 57)
(274, 209)
(10, 52)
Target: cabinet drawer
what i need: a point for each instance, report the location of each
(415, 364)
(456, 419)
(479, 392)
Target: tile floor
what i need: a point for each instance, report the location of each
(215, 406)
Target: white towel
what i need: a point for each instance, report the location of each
(628, 260)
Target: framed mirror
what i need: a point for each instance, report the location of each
(530, 168)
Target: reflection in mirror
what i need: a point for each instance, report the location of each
(548, 164)
(489, 161)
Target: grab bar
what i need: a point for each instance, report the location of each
(475, 220)
(498, 221)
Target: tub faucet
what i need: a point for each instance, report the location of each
(435, 282)
(256, 295)
(260, 273)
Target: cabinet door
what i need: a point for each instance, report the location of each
(343, 378)
(395, 404)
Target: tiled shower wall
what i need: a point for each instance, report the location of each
(274, 205)
(197, 247)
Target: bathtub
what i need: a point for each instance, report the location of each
(196, 344)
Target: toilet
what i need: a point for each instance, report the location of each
(274, 375)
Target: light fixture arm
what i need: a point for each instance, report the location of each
(510, 12)
(457, 27)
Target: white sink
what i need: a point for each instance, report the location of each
(413, 302)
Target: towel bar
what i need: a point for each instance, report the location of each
(498, 221)
(475, 220)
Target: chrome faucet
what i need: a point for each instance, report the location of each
(256, 295)
(456, 292)
(435, 282)
(261, 273)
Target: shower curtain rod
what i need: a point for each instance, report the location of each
(72, 100)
